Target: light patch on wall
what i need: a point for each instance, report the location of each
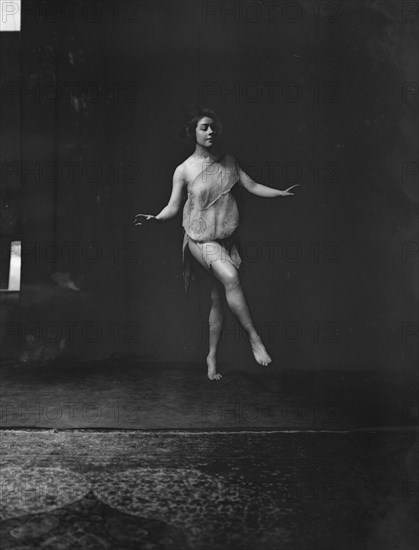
(15, 266)
(10, 11)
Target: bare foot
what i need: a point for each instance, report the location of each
(212, 368)
(259, 351)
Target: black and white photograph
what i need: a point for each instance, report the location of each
(209, 274)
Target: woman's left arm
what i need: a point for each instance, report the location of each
(259, 189)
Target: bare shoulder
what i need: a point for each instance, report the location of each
(187, 169)
(187, 164)
(180, 173)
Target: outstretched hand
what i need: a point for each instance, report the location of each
(141, 219)
(286, 192)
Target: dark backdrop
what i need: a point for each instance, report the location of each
(323, 94)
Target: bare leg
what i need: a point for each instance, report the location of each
(227, 274)
(216, 318)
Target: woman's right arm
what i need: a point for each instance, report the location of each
(175, 201)
(174, 204)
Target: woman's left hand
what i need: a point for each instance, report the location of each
(286, 192)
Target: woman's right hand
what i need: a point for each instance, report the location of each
(141, 219)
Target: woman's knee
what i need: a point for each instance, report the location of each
(228, 276)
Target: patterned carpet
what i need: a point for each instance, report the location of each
(137, 490)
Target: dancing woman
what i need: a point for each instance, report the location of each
(210, 221)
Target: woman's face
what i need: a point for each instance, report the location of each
(206, 133)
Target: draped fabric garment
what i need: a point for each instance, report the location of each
(210, 213)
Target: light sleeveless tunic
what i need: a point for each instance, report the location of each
(211, 216)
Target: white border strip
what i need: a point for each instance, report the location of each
(10, 11)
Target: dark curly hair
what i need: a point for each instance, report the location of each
(195, 116)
